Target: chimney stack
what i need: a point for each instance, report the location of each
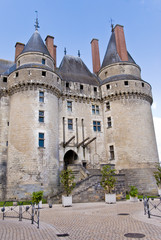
(120, 42)
(51, 47)
(95, 55)
(18, 49)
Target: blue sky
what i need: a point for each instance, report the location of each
(74, 23)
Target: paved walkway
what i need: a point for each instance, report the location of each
(85, 221)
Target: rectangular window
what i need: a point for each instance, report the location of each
(96, 126)
(43, 73)
(43, 61)
(126, 83)
(81, 87)
(67, 85)
(95, 89)
(142, 84)
(4, 79)
(107, 106)
(112, 155)
(95, 109)
(109, 122)
(16, 74)
(70, 124)
(41, 96)
(41, 116)
(108, 86)
(41, 139)
(69, 106)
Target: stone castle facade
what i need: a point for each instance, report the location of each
(52, 117)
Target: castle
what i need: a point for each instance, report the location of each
(52, 117)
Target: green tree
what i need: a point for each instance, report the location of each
(37, 197)
(67, 179)
(108, 178)
(157, 175)
(133, 191)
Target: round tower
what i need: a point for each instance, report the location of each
(33, 122)
(130, 137)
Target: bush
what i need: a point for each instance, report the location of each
(108, 178)
(37, 197)
(67, 179)
(157, 175)
(133, 191)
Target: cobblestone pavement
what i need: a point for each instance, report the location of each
(85, 221)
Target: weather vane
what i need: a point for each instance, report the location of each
(36, 22)
(78, 53)
(112, 28)
(65, 51)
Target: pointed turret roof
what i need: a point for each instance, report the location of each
(111, 55)
(73, 69)
(36, 44)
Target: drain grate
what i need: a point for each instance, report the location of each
(123, 214)
(134, 235)
(63, 235)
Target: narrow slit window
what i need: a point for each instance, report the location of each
(41, 96)
(95, 89)
(17, 74)
(41, 139)
(41, 116)
(67, 85)
(107, 106)
(70, 124)
(81, 87)
(108, 86)
(142, 84)
(43, 61)
(112, 154)
(109, 122)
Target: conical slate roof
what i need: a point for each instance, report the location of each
(36, 44)
(111, 55)
(73, 69)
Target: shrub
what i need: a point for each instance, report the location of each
(133, 191)
(108, 178)
(37, 197)
(157, 175)
(67, 179)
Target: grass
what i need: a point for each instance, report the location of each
(140, 196)
(10, 203)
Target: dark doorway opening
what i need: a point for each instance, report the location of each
(69, 158)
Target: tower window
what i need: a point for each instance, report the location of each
(108, 106)
(112, 155)
(108, 86)
(81, 87)
(126, 83)
(43, 61)
(18, 63)
(95, 109)
(67, 85)
(41, 96)
(96, 126)
(109, 122)
(6, 143)
(16, 74)
(41, 116)
(142, 84)
(70, 124)
(41, 139)
(43, 73)
(69, 106)
(4, 79)
(95, 89)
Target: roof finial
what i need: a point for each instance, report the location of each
(65, 51)
(78, 53)
(112, 28)
(36, 22)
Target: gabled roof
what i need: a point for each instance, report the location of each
(36, 44)
(73, 69)
(111, 55)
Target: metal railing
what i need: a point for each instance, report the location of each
(152, 206)
(20, 211)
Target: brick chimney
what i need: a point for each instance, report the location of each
(18, 49)
(120, 42)
(95, 55)
(55, 55)
(50, 46)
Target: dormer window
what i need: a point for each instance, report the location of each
(43, 73)
(43, 61)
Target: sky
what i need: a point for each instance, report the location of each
(74, 23)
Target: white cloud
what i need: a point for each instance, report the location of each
(157, 125)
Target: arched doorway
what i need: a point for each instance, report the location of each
(69, 158)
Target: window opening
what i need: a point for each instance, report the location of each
(4, 79)
(70, 124)
(95, 89)
(96, 126)
(109, 122)
(67, 85)
(142, 84)
(69, 106)
(41, 139)
(126, 83)
(43, 73)
(43, 61)
(81, 87)
(112, 155)
(95, 109)
(108, 86)
(108, 106)
(41, 96)
(16, 74)
(41, 116)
